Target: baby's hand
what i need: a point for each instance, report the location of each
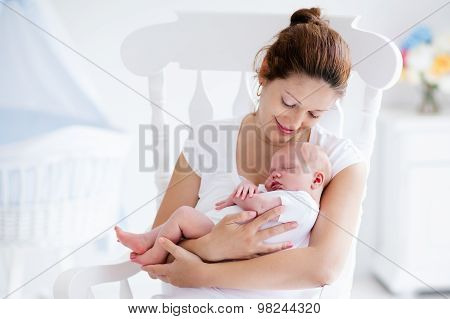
(225, 203)
(246, 188)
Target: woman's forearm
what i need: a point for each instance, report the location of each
(317, 265)
(299, 268)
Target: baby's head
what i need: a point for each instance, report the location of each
(299, 167)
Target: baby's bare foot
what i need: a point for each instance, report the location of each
(150, 257)
(136, 242)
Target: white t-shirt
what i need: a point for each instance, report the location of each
(211, 153)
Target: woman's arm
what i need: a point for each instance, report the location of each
(313, 266)
(234, 237)
(317, 265)
(182, 190)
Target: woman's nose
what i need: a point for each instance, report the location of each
(300, 117)
(295, 120)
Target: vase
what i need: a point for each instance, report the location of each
(429, 103)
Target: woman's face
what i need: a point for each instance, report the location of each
(288, 106)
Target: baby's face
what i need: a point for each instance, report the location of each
(289, 172)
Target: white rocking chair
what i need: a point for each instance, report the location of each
(228, 42)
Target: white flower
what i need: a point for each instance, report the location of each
(420, 57)
(444, 84)
(442, 42)
(412, 76)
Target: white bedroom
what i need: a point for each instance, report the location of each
(98, 98)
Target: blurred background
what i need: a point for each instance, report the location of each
(69, 140)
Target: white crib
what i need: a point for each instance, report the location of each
(228, 42)
(57, 190)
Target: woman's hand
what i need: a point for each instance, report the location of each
(238, 236)
(186, 270)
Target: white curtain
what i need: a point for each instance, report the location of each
(43, 85)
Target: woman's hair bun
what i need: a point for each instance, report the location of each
(311, 15)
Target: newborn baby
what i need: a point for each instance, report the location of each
(298, 174)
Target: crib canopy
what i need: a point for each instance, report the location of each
(42, 83)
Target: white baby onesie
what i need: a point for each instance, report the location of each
(299, 206)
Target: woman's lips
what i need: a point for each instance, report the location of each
(283, 129)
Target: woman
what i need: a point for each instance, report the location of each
(301, 77)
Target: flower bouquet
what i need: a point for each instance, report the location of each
(426, 62)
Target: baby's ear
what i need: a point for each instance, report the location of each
(318, 180)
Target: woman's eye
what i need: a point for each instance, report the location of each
(313, 116)
(287, 105)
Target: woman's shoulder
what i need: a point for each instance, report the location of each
(342, 152)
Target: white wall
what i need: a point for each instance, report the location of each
(97, 28)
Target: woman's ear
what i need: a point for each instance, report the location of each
(263, 72)
(318, 180)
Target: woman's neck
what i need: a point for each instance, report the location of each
(253, 153)
(255, 149)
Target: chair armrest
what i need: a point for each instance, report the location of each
(77, 282)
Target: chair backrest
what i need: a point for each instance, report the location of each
(211, 41)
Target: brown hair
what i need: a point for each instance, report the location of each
(309, 47)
